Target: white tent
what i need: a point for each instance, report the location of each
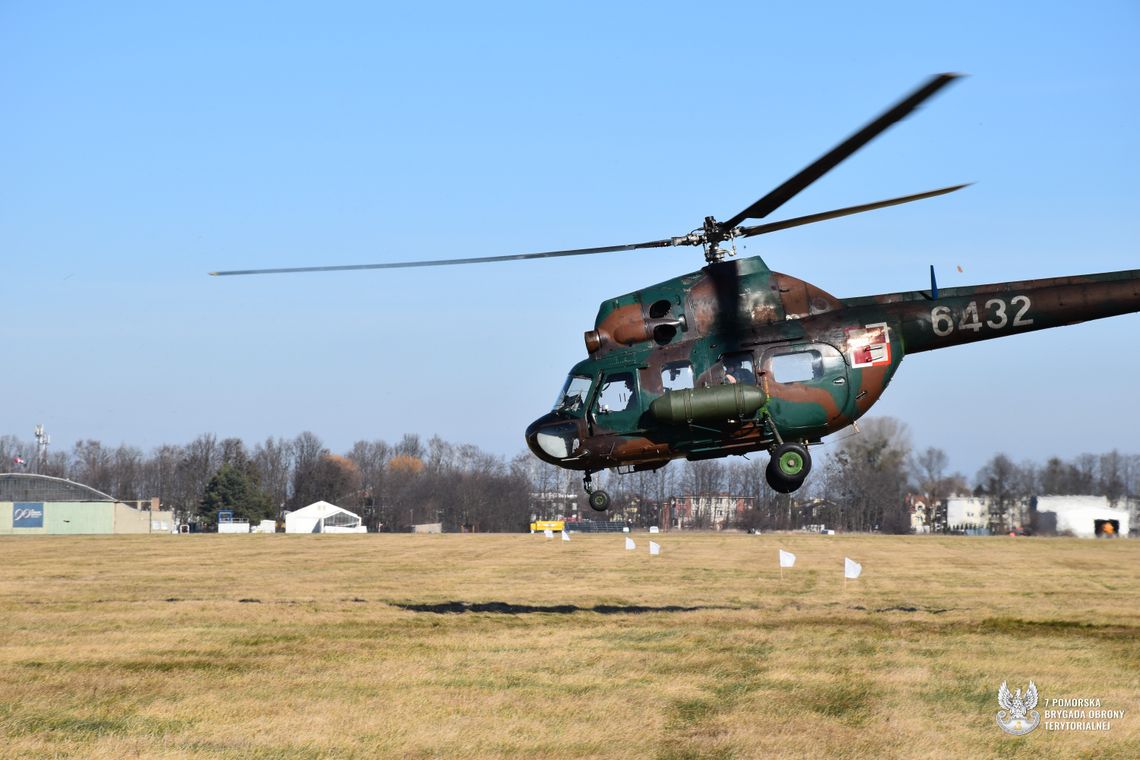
(322, 517)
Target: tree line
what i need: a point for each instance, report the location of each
(391, 486)
(869, 480)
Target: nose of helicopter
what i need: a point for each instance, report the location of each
(553, 438)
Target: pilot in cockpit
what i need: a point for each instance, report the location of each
(737, 369)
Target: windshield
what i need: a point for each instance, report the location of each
(572, 399)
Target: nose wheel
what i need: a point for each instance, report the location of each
(599, 499)
(788, 466)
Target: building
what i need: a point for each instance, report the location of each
(715, 511)
(1081, 516)
(41, 505)
(920, 517)
(968, 514)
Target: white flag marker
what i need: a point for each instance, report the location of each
(629, 544)
(787, 559)
(654, 548)
(565, 536)
(851, 568)
(548, 533)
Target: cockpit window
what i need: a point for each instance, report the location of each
(572, 399)
(618, 393)
(677, 376)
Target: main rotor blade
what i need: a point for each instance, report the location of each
(829, 160)
(761, 229)
(449, 262)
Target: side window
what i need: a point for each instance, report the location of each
(738, 368)
(617, 393)
(798, 367)
(677, 376)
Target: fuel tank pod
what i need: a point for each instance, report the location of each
(719, 403)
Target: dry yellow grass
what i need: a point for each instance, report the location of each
(122, 647)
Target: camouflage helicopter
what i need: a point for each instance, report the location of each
(736, 358)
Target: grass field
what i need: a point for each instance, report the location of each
(273, 646)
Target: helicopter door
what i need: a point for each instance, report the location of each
(808, 385)
(616, 406)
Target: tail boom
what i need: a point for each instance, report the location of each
(952, 316)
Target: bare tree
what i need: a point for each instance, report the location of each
(1131, 476)
(273, 462)
(92, 465)
(703, 477)
(1112, 469)
(127, 478)
(929, 470)
(410, 446)
(371, 459)
(336, 479)
(56, 465)
(866, 479)
(201, 459)
(160, 472)
(307, 453)
(1001, 480)
(403, 490)
(1085, 471)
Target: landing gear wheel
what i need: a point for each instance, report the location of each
(788, 467)
(599, 501)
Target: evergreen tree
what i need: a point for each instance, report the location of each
(233, 488)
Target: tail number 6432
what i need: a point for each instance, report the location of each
(997, 317)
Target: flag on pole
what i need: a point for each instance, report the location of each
(851, 568)
(787, 559)
(629, 544)
(548, 533)
(654, 548)
(565, 536)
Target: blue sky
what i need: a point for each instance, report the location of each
(146, 144)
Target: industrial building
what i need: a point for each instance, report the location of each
(1081, 516)
(42, 505)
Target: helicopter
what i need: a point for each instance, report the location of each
(736, 358)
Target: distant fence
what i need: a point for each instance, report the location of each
(595, 526)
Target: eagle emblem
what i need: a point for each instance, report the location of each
(1017, 715)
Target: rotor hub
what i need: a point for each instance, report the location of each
(712, 234)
